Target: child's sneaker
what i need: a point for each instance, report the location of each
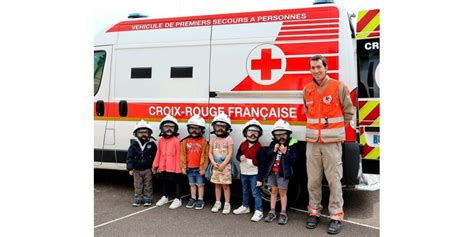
(147, 204)
(270, 217)
(217, 206)
(241, 210)
(175, 204)
(162, 201)
(199, 204)
(136, 202)
(283, 218)
(191, 203)
(257, 216)
(226, 208)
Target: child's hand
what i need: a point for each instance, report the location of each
(216, 165)
(259, 183)
(276, 147)
(221, 167)
(242, 158)
(202, 172)
(283, 149)
(130, 172)
(183, 170)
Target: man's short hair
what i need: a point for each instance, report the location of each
(321, 58)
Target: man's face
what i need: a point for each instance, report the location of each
(317, 69)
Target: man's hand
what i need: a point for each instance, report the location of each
(202, 172)
(130, 172)
(259, 183)
(183, 171)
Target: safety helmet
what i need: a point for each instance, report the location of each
(196, 120)
(250, 123)
(281, 125)
(169, 118)
(222, 118)
(142, 124)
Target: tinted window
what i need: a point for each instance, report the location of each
(141, 73)
(181, 72)
(99, 62)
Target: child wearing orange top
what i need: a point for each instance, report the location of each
(194, 160)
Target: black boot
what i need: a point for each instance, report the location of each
(334, 227)
(312, 222)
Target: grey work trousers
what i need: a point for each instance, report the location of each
(325, 158)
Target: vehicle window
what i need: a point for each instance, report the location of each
(99, 62)
(141, 73)
(181, 72)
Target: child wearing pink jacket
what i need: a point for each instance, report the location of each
(166, 162)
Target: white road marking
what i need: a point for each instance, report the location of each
(135, 213)
(348, 221)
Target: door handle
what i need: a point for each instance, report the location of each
(99, 108)
(123, 108)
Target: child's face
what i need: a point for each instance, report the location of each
(220, 128)
(143, 134)
(281, 136)
(169, 128)
(252, 134)
(194, 130)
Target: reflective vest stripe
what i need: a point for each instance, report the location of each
(323, 121)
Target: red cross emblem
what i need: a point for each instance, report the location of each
(266, 64)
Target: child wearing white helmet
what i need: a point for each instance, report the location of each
(220, 155)
(248, 155)
(140, 156)
(166, 162)
(194, 159)
(277, 165)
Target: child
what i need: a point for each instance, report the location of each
(247, 155)
(140, 156)
(194, 159)
(277, 166)
(167, 161)
(220, 155)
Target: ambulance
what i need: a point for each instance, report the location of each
(246, 65)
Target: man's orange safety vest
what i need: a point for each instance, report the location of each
(325, 118)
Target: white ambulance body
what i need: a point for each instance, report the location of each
(247, 65)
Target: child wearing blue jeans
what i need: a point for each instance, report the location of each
(247, 155)
(194, 160)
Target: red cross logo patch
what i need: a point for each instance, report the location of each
(266, 64)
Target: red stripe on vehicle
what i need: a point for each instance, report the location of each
(308, 32)
(308, 37)
(366, 150)
(289, 82)
(309, 27)
(228, 19)
(302, 64)
(310, 22)
(310, 48)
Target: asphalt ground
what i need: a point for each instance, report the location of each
(115, 216)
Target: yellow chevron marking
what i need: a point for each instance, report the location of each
(369, 28)
(374, 154)
(368, 107)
